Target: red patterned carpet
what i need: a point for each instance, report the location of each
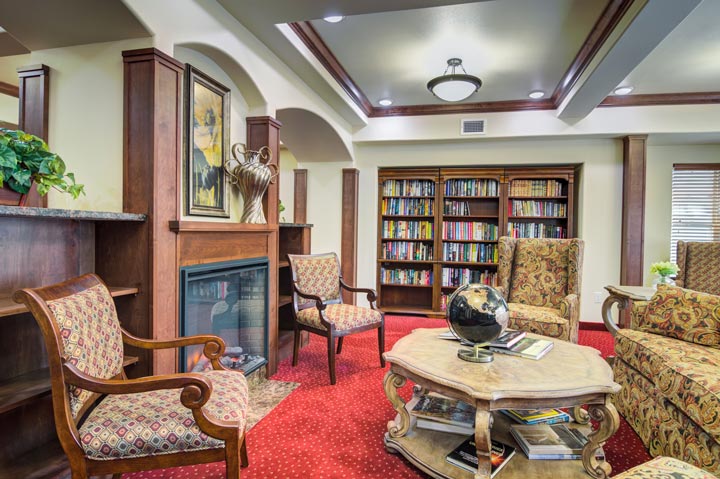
(327, 432)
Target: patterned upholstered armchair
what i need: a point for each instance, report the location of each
(107, 423)
(318, 306)
(699, 265)
(540, 279)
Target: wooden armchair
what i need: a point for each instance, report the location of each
(318, 306)
(107, 423)
(540, 280)
(699, 264)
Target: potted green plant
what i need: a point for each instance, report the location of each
(25, 159)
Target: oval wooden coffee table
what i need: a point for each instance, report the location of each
(569, 375)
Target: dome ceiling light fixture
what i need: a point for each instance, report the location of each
(454, 86)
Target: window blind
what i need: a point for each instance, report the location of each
(695, 204)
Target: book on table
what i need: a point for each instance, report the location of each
(507, 339)
(441, 413)
(531, 348)
(465, 456)
(549, 441)
(537, 416)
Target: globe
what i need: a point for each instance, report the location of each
(477, 313)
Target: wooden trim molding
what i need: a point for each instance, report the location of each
(300, 196)
(692, 98)
(450, 108)
(696, 166)
(33, 111)
(633, 210)
(349, 230)
(310, 37)
(8, 89)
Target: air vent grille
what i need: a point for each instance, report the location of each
(472, 127)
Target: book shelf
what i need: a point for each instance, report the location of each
(438, 228)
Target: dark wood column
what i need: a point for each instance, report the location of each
(348, 252)
(265, 131)
(300, 198)
(33, 100)
(633, 210)
(147, 254)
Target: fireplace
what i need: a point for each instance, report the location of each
(228, 299)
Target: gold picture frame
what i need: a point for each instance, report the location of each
(207, 144)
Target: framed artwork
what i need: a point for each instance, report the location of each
(207, 144)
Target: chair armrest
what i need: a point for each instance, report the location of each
(371, 294)
(623, 297)
(319, 301)
(637, 313)
(213, 350)
(196, 388)
(570, 310)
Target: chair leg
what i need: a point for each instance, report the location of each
(296, 345)
(244, 462)
(381, 344)
(79, 474)
(331, 358)
(233, 453)
(339, 346)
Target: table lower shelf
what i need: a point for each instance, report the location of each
(427, 449)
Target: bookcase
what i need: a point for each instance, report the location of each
(438, 228)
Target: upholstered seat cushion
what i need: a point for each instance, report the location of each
(539, 320)
(344, 316)
(156, 422)
(687, 374)
(664, 468)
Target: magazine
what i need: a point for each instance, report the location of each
(465, 456)
(507, 339)
(537, 416)
(530, 348)
(548, 439)
(437, 408)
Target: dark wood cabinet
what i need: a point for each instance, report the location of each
(438, 228)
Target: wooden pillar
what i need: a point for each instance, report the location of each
(633, 210)
(33, 100)
(300, 198)
(147, 255)
(348, 252)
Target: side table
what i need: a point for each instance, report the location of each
(622, 296)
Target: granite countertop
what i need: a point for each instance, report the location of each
(53, 213)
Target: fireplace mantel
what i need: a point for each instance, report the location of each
(214, 227)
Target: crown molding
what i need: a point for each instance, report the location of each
(651, 99)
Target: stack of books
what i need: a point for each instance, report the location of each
(507, 339)
(531, 348)
(440, 413)
(465, 456)
(537, 416)
(545, 441)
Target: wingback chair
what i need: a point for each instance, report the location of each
(540, 279)
(107, 423)
(318, 306)
(699, 263)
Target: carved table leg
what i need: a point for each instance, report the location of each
(580, 415)
(483, 423)
(609, 421)
(392, 383)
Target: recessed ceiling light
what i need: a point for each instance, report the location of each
(536, 94)
(385, 102)
(623, 90)
(334, 18)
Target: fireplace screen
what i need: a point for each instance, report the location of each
(230, 300)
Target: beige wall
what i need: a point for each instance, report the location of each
(8, 109)
(658, 199)
(288, 163)
(599, 203)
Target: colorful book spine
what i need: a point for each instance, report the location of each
(535, 230)
(408, 188)
(407, 251)
(406, 276)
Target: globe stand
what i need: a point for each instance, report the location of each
(477, 354)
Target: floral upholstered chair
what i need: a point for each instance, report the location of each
(540, 279)
(699, 263)
(318, 306)
(107, 423)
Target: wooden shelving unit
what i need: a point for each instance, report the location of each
(466, 211)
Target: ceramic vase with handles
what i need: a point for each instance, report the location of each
(252, 174)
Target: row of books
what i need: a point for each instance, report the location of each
(408, 206)
(471, 187)
(454, 207)
(406, 276)
(469, 230)
(480, 252)
(408, 188)
(536, 188)
(535, 230)
(457, 276)
(408, 229)
(515, 343)
(407, 251)
(538, 208)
